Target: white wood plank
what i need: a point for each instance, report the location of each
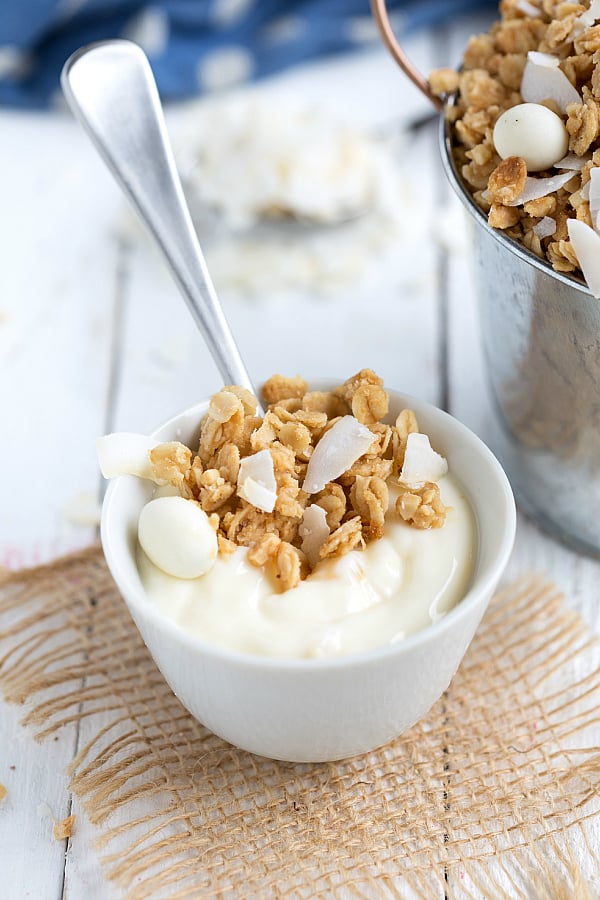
(56, 299)
(84, 872)
(56, 290)
(31, 861)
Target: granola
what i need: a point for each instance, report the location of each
(355, 504)
(490, 82)
(422, 507)
(63, 829)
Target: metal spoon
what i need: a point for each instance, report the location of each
(110, 88)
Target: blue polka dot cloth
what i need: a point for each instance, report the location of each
(194, 46)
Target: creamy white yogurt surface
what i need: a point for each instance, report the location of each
(360, 601)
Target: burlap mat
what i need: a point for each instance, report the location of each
(494, 794)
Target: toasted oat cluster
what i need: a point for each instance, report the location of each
(352, 505)
(540, 34)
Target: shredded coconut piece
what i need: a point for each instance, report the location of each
(336, 452)
(586, 19)
(572, 161)
(314, 531)
(421, 462)
(594, 198)
(586, 244)
(535, 188)
(527, 8)
(256, 481)
(251, 159)
(543, 79)
(546, 227)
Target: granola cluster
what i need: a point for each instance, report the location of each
(354, 504)
(490, 82)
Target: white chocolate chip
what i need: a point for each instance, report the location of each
(177, 537)
(534, 133)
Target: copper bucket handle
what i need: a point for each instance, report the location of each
(380, 14)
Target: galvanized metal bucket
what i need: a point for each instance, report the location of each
(541, 336)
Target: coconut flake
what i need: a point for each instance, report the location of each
(314, 531)
(338, 449)
(585, 20)
(585, 190)
(572, 161)
(540, 187)
(421, 462)
(594, 197)
(586, 244)
(544, 80)
(546, 227)
(256, 481)
(528, 9)
(543, 59)
(125, 453)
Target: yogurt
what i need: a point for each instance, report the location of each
(366, 599)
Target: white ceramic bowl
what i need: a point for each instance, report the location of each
(326, 709)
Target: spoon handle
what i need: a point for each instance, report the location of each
(110, 88)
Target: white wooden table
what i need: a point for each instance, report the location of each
(93, 337)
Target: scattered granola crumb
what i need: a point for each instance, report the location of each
(63, 829)
(3, 791)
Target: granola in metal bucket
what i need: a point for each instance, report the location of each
(525, 119)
